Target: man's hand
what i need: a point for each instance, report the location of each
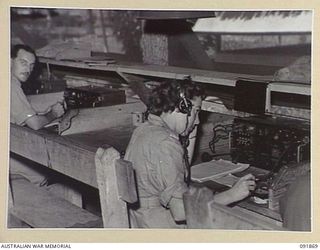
(241, 189)
(57, 109)
(41, 119)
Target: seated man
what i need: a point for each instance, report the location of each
(161, 162)
(23, 60)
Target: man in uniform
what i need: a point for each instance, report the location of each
(22, 113)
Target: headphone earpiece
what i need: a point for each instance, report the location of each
(184, 105)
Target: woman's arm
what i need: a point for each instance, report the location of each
(239, 191)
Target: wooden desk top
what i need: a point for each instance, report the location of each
(118, 137)
(72, 155)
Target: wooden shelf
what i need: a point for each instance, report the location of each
(201, 76)
(170, 72)
(291, 88)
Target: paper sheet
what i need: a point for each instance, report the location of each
(213, 170)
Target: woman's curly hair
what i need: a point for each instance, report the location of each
(167, 95)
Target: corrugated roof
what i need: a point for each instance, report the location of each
(293, 21)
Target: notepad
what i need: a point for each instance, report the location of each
(227, 180)
(213, 170)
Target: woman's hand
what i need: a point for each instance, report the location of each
(241, 189)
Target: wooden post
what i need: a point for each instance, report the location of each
(172, 42)
(155, 50)
(116, 187)
(268, 99)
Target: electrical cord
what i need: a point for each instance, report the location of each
(224, 131)
(70, 120)
(184, 140)
(277, 165)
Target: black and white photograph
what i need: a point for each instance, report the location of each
(160, 119)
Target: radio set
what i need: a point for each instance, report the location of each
(92, 96)
(85, 97)
(270, 143)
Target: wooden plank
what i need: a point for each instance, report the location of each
(274, 220)
(290, 112)
(215, 105)
(171, 72)
(73, 155)
(265, 211)
(114, 210)
(61, 154)
(19, 165)
(28, 143)
(206, 76)
(15, 222)
(78, 81)
(224, 217)
(202, 76)
(93, 119)
(40, 209)
(294, 88)
(203, 212)
(118, 137)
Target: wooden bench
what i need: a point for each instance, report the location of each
(39, 208)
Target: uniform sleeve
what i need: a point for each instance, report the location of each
(172, 171)
(20, 109)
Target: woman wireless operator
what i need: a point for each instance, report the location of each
(158, 157)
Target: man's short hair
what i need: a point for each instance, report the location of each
(167, 95)
(15, 49)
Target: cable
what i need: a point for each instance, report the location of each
(184, 140)
(224, 131)
(283, 154)
(70, 121)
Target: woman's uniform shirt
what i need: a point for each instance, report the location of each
(157, 158)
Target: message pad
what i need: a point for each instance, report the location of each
(213, 170)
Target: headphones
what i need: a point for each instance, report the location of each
(184, 104)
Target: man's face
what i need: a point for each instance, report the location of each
(22, 65)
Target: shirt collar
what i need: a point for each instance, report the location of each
(156, 120)
(15, 81)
